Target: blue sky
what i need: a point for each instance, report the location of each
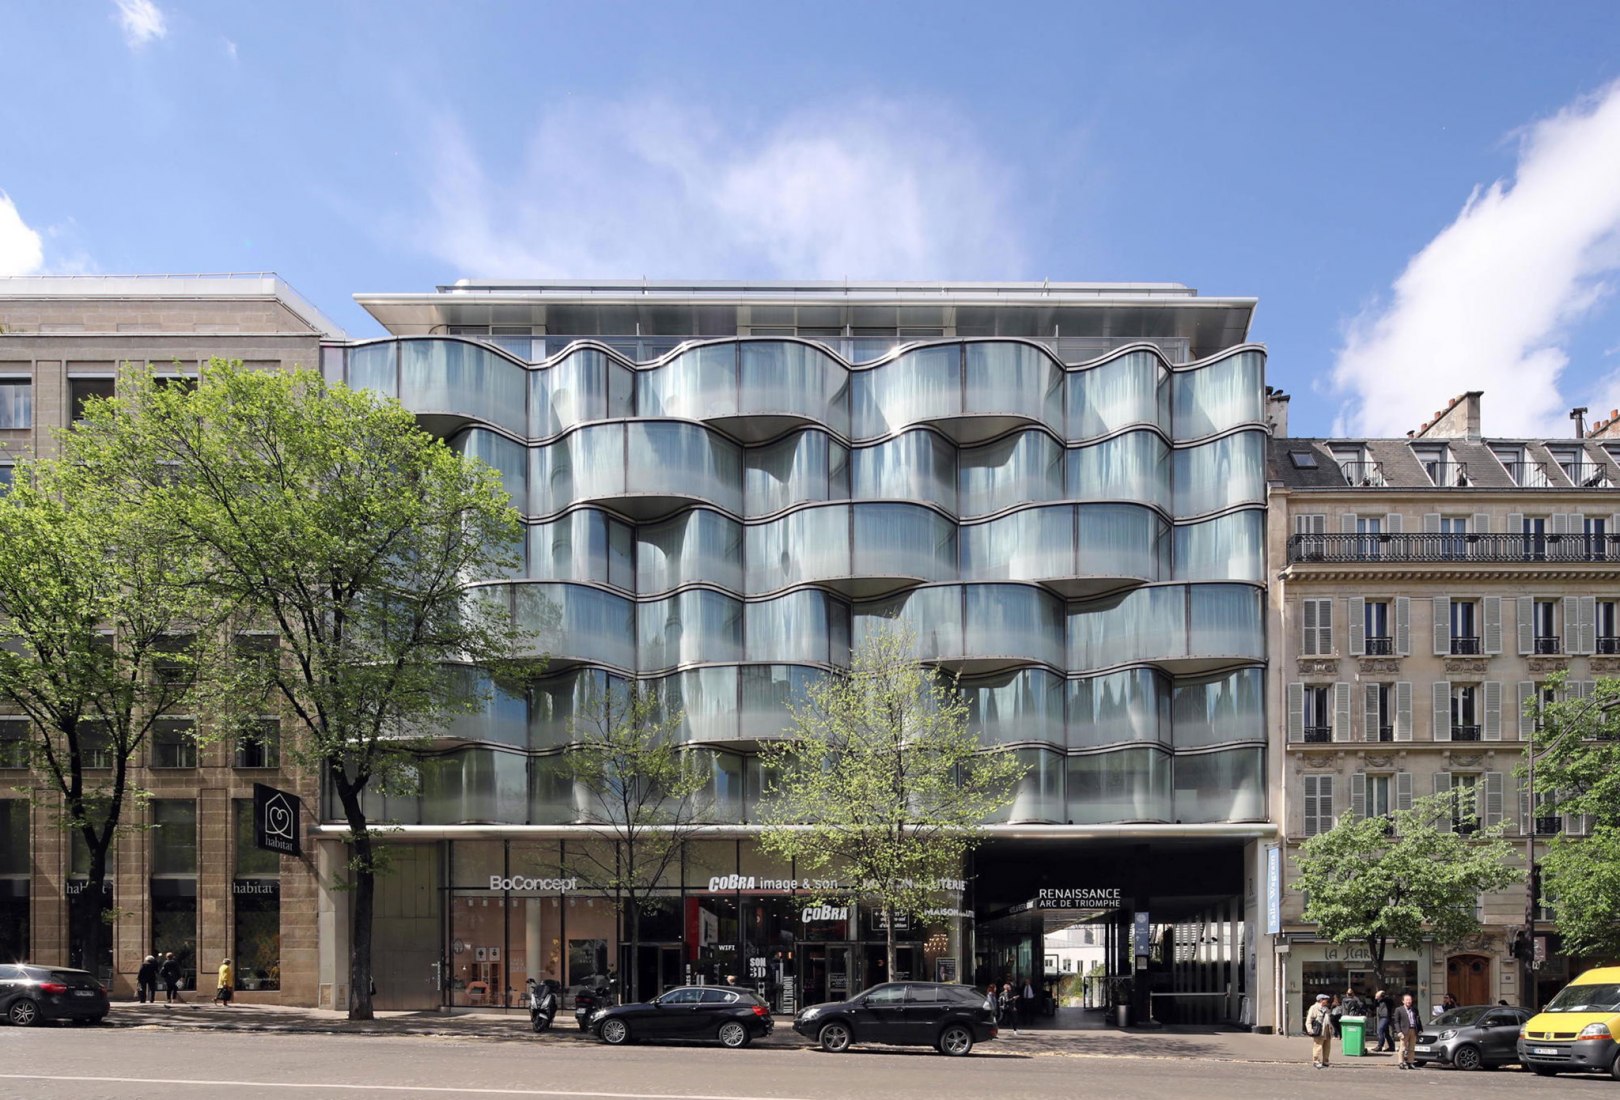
(1303, 153)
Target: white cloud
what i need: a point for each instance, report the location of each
(1489, 304)
(142, 21)
(230, 49)
(21, 250)
(875, 189)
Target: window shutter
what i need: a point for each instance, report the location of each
(1614, 526)
(1403, 711)
(1492, 642)
(1442, 626)
(1341, 712)
(1324, 802)
(1572, 624)
(1347, 523)
(1393, 523)
(1559, 524)
(1515, 523)
(1431, 523)
(1527, 611)
(1356, 624)
(1442, 710)
(1403, 790)
(1369, 712)
(1442, 782)
(1482, 523)
(1586, 625)
(1403, 631)
(1577, 524)
(1493, 710)
(1296, 712)
(1358, 795)
(1580, 824)
(1527, 720)
(1493, 799)
(1308, 615)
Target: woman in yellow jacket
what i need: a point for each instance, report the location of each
(227, 981)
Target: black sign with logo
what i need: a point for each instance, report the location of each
(275, 820)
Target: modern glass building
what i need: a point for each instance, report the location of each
(1060, 487)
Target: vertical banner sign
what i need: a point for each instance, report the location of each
(275, 820)
(1143, 928)
(1273, 891)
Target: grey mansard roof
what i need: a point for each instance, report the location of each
(1398, 465)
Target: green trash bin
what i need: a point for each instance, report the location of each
(1353, 1033)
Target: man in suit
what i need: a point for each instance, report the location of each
(1406, 1024)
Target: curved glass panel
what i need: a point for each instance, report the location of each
(570, 548)
(1031, 545)
(1220, 473)
(1123, 785)
(475, 786)
(375, 367)
(1220, 709)
(789, 378)
(916, 466)
(586, 465)
(686, 628)
(700, 382)
(555, 798)
(1122, 540)
(567, 621)
(1212, 398)
(569, 706)
(1038, 795)
(769, 695)
(1146, 624)
(502, 717)
(1221, 786)
(508, 459)
(934, 614)
(919, 385)
(1108, 397)
(721, 800)
(1011, 471)
(1231, 548)
(1225, 620)
(1120, 707)
(699, 546)
(453, 376)
(899, 540)
(684, 460)
(585, 385)
(1026, 705)
(1007, 620)
(800, 627)
(1133, 466)
(706, 699)
(790, 471)
(808, 545)
(1013, 379)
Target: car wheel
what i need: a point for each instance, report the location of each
(835, 1037)
(955, 1040)
(615, 1032)
(24, 1013)
(734, 1035)
(1614, 1068)
(1466, 1057)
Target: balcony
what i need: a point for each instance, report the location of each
(1318, 735)
(1530, 475)
(1587, 475)
(1447, 474)
(1380, 647)
(1608, 646)
(1548, 646)
(1463, 645)
(1403, 548)
(1549, 825)
(1363, 474)
(1386, 733)
(1464, 733)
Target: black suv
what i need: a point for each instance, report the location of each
(29, 994)
(949, 1018)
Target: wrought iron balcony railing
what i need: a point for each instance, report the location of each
(1609, 646)
(1453, 548)
(1530, 475)
(1587, 475)
(1386, 733)
(1465, 645)
(1380, 647)
(1464, 733)
(1315, 735)
(1367, 474)
(1546, 646)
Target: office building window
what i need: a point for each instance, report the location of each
(174, 743)
(1317, 617)
(256, 907)
(259, 746)
(81, 390)
(13, 742)
(8, 476)
(1318, 804)
(16, 403)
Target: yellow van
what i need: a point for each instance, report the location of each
(1579, 1029)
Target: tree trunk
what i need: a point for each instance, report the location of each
(1376, 950)
(633, 982)
(365, 893)
(888, 933)
(94, 930)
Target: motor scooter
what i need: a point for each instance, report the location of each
(587, 1001)
(543, 1000)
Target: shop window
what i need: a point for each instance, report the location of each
(256, 908)
(174, 883)
(14, 881)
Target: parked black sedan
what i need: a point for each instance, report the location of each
(730, 1015)
(29, 994)
(949, 1018)
(1473, 1037)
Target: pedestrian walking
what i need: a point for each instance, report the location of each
(169, 971)
(1383, 1008)
(227, 982)
(1406, 1030)
(146, 980)
(1319, 1026)
(1009, 1005)
(992, 993)
(1026, 1002)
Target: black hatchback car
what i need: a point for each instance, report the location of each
(729, 1015)
(30, 994)
(949, 1018)
(1473, 1037)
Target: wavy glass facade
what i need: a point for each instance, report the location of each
(1082, 542)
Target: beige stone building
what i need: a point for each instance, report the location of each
(1422, 591)
(188, 879)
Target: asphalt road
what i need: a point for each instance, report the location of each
(53, 1063)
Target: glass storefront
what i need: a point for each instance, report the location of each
(14, 863)
(255, 908)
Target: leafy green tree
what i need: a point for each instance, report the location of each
(882, 782)
(1391, 881)
(98, 638)
(328, 517)
(642, 794)
(1577, 773)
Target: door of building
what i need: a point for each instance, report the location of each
(1468, 978)
(826, 974)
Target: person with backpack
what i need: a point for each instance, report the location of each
(170, 973)
(1319, 1026)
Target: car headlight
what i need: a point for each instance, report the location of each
(1594, 1031)
(810, 1014)
(1449, 1033)
(599, 1013)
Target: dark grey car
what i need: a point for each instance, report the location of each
(31, 994)
(950, 1018)
(1473, 1037)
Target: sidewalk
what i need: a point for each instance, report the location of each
(1044, 1039)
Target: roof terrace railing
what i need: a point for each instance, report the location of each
(1312, 549)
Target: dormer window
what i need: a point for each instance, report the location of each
(1442, 469)
(1521, 468)
(1357, 468)
(1579, 468)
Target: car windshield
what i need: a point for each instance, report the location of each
(1459, 1017)
(1603, 997)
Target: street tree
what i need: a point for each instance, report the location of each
(100, 631)
(330, 519)
(1382, 882)
(1576, 773)
(642, 795)
(881, 781)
